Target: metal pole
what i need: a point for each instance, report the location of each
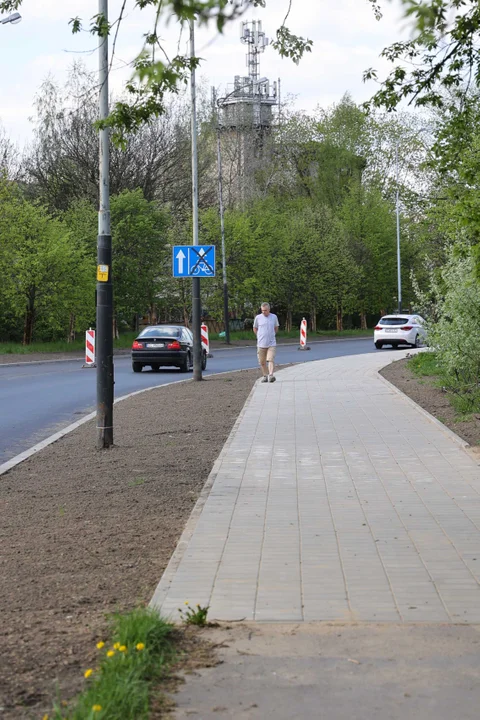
(104, 334)
(196, 304)
(222, 229)
(399, 272)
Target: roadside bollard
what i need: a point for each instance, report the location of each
(303, 335)
(205, 340)
(89, 349)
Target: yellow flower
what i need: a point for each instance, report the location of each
(87, 673)
(122, 648)
(100, 644)
(45, 717)
(187, 602)
(96, 708)
(110, 653)
(140, 646)
(116, 646)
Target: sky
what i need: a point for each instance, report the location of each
(347, 39)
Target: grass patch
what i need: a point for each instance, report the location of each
(11, 348)
(295, 334)
(464, 400)
(119, 686)
(425, 364)
(61, 346)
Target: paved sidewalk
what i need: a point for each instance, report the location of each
(335, 498)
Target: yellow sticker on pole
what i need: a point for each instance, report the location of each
(102, 273)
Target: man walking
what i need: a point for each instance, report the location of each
(265, 327)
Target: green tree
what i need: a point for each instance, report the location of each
(45, 271)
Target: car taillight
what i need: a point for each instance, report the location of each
(175, 345)
(378, 327)
(137, 345)
(407, 327)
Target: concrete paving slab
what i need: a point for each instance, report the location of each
(333, 671)
(335, 498)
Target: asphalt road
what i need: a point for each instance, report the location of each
(39, 399)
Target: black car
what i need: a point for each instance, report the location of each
(165, 345)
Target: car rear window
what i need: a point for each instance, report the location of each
(393, 321)
(161, 332)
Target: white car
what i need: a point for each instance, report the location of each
(398, 330)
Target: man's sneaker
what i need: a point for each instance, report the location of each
(271, 378)
(264, 379)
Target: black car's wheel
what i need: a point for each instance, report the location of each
(379, 345)
(418, 342)
(186, 363)
(137, 367)
(155, 367)
(204, 361)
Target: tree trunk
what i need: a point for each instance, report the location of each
(313, 318)
(339, 317)
(29, 318)
(116, 334)
(186, 317)
(363, 320)
(288, 321)
(71, 328)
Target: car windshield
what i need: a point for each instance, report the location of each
(160, 332)
(393, 321)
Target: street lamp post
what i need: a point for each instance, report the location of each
(397, 211)
(397, 204)
(12, 19)
(104, 260)
(226, 313)
(196, 298)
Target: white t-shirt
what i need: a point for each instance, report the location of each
(266, 325)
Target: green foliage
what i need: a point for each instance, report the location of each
(138, 243)
(45, 271)
(120, 686)
(442, 55)
(316, 237)
(291, 46)
(455, 334)
(194, 616)
(425, 364)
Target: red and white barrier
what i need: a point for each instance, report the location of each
(303, 334)
(205, 339)
(89, 348)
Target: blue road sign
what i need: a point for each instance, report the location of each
(193, 261)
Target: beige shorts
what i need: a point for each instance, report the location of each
(266, 354)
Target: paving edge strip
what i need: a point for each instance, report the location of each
(446, 430)
(9, 464)
(168, 575)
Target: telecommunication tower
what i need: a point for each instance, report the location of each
(249, 103)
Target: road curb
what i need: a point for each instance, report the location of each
(9, 464)
(79, 358)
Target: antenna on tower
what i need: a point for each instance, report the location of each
(252, 35)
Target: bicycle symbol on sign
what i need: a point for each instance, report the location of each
(202, 267)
